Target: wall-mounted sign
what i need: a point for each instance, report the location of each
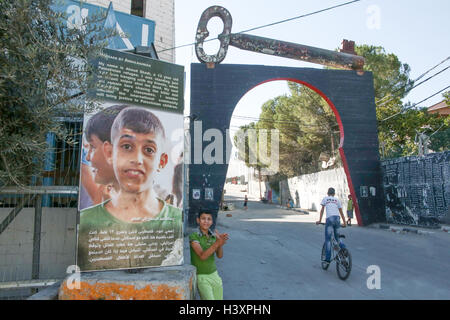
(196, 194)
(209, 194)
(364, 191)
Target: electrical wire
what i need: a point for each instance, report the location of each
(301, 16)
(275, 121)
(421, 76)
(415, 104)
(417, 79)
(415, 86)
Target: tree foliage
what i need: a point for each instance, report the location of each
(44, 74)
(446, 96)
(307, 128)
(398, 123)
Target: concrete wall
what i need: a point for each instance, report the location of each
(254, 185)
(253, 189)
(313, 187)
(58, 244)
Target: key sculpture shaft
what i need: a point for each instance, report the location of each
(335, 59)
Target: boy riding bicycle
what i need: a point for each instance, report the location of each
(334, 209)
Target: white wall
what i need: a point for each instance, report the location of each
(119, 5)
(313, 187)
(254, 185)
(163, 13)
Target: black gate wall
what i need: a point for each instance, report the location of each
(215, 93)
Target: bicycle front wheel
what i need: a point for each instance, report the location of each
(343, 263)
(325, 264)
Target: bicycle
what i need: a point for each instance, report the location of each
(343, 258)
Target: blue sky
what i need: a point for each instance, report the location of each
(416, 31)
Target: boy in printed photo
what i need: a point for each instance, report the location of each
(97, 175)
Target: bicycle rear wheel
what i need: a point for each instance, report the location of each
(343, 263)
(325, 264)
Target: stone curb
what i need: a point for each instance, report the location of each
(49, 293)
(404, 230)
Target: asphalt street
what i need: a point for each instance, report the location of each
(274, 253)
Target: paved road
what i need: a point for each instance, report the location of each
(274, 253)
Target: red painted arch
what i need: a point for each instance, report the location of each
(341, 140)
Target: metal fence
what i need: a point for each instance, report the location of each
(38, 222)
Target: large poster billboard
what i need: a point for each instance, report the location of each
(131, 172)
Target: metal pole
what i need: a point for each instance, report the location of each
(12, 215)
(37, 237)
(296, 51)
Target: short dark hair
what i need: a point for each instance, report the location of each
(203, 212)
(140, 120)
(331, 191)
(100, 123)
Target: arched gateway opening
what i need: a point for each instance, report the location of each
(215, 93)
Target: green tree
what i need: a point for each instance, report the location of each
(44, 75)
(390, 75)
(398, 123)
(446, 96)
(307, 128)
(391, 82)
(410, 124)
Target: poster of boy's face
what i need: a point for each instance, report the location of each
(130, 216)
(136, 157)
(153, 150)
(101, 170)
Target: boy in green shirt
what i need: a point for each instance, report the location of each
(203, 246)
(349, 210)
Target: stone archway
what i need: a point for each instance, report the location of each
(215, 93)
